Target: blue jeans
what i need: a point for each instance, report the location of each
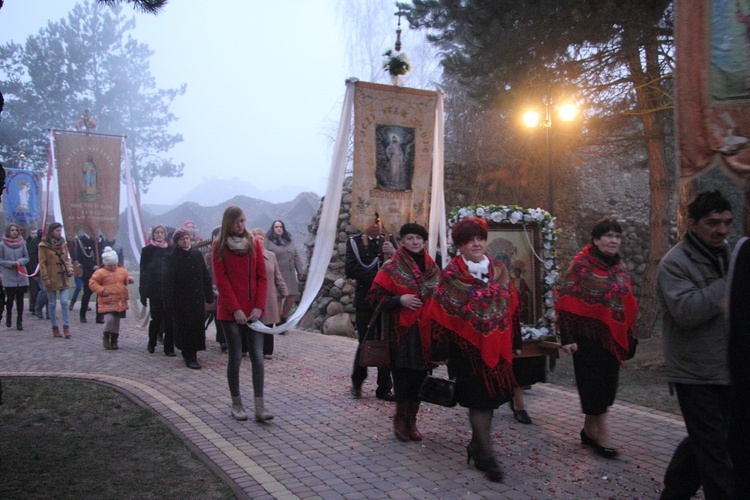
(52, 305)
(41, 301)
(233, 333)
(79, 287)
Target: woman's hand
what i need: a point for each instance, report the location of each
(410, 301)
(130, 280)
(254, 315)
(239, 317)
(570, 348)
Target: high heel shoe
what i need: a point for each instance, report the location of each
(522, 416)
(489, 466)
(469, 452)
(600, 450)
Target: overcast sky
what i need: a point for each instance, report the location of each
(265, 86)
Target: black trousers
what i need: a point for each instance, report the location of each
(702, 458)
(156, 308)
(14, 294)
(359, 373)
(406, 384)
(86, 297)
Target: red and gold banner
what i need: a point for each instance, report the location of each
(712, 48)
(394, 131)
(88, 172)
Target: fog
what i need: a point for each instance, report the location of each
(265, 85)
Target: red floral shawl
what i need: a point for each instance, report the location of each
(596, 300)
(400, 276)
(481, 318)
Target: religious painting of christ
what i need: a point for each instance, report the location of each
(89, 175)
(395, 157)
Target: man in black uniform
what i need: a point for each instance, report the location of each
(365, 254)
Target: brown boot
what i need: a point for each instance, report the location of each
(401, 422)
(56, 332)
(66, 331)
(414, 434)
(113, 340)
(105, 341)
(70, 306)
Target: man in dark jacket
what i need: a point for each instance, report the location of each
(691, 287)
(739, 354)
(365, 254)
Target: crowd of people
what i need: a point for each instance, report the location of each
(466, 316)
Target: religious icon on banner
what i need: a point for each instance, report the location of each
(395, 157)
(22, 197)
(394, 131)
(89, 177)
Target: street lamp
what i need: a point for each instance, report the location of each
(567, 112)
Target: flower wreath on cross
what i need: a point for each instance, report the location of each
(544, 327)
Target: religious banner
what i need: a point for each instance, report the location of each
(712, 47)
(22, 197)
(88, 170)
(394, 131)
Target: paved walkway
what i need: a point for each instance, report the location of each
(324, 444)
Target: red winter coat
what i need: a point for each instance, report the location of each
(241, 282)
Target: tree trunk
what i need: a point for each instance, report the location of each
(647, 98)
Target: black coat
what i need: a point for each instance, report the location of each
(357, 268)
(153, 268)
(187, 288)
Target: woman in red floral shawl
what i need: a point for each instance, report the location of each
(596, 312)
(475, 312)
(403, 284)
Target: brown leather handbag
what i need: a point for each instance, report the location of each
(373, 352)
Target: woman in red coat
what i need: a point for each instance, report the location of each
(240, 276)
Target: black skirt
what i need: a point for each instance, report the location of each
(471, 387)
(529, 371)
(596, 371)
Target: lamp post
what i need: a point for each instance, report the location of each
(531, 119)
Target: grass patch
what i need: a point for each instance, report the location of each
(70, 439)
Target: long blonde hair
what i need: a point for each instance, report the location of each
(231, 215)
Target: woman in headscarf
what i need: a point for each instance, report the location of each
(475, 308)
(596, 313)
(404, 283)
(187, 290)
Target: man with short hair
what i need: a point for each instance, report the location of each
(365, 254)
(691, 287)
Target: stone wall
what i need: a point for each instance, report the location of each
(332, 311)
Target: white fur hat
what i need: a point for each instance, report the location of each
(109, 257)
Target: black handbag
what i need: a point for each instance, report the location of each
(376, 353)
(438, 391)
